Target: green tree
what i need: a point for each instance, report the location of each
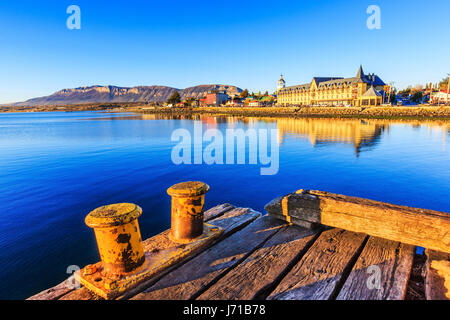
(174, 98)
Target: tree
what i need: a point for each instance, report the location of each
(405, 92)
(417, 96)
(270, 99)
(244, 94)
(393, 96)
(191, 101)
(443, 84)
(174, 98)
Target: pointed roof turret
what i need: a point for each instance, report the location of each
(371, 92)
(360, 73)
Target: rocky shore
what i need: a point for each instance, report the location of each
(415, 112)
(328, 112)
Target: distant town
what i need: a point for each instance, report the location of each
(361, 90)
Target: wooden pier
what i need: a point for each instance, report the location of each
(291, 254)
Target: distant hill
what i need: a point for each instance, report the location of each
(95, 94)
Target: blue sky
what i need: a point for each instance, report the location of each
(242, 43)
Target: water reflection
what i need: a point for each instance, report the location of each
(363, 134)
(360, 133)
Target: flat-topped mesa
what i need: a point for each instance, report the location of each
(419, 227)
(115, 94)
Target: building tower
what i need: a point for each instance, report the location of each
(360, 73)
(281, 83)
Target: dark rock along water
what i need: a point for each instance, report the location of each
(57, 167)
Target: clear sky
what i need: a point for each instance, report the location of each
(242, 43)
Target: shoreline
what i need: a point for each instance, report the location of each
(407, 113)
(394, 113)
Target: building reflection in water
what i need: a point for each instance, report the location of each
(363, 134)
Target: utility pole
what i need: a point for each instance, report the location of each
(391, 85)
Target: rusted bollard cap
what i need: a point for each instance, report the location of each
(113, 215)
(188, 189)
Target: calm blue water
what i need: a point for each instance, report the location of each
(56, 167)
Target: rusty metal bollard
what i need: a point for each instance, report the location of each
(188, 199)
(118, 237)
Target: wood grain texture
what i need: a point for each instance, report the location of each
(231, 221)
(80, 294)
(58, 291)
(217, 211)
(297, 222)
(381, 272)
(418, 227)
(437, 282)
(317, 275)
(262, 268)
(192, 278)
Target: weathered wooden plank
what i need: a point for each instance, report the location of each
(419, 227)
(192, 278)
(297, 222)
(437, 283)
(217, 211)
(80, 294)
(255, 275)
(231, 221)
(57, 291)
(380, 273)
(318, 274)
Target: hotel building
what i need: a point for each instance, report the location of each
(361, 90)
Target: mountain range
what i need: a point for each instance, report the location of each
(114, 94)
